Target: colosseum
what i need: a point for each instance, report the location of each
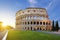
(33, 19)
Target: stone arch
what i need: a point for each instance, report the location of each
(31, 28)
(28, 28)
(37, 28)
(49, 23)
(37, 23)
(34, 22)
(40, 28)
(40, 23)
(25, 23)
(28, 23)
(25, 27)
(46, 23)
(31, 22)
(43, 23)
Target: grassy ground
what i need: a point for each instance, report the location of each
(30, 35)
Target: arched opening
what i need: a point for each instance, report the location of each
(37, 23)
(46, 28)
(40, 23)
(25, 27)
(34, 29)
(37, 28)
(31, 22)
(28, 28)
(43, 23)
(40, 28)
(31, 28)
(28, 23)
(49, 23)
(34, 10)
(46, 23)
(43, 29)
(34, 22)
(25, 23)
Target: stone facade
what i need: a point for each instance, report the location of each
(33, 19)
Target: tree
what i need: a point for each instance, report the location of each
(53, 28)
(8, 27)
(56, 26)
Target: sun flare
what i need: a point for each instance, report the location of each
(4, 24)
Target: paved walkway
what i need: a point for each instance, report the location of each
(57, 32)
(2, 34)
(48, 32)
(5, 36)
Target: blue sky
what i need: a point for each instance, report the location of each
(8, 9)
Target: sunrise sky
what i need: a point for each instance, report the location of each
(8, 9)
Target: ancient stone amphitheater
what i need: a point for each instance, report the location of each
(33, 19)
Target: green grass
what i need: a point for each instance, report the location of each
(30, 35)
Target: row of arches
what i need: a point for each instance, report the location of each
(36, 28)
(42, 17)
(38, 23)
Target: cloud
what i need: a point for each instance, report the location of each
(49, 5)
(52, 4)
(32, 2)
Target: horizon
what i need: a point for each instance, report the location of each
(8, 9)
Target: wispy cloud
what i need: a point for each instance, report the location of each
(49, 5)
(32, 2)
